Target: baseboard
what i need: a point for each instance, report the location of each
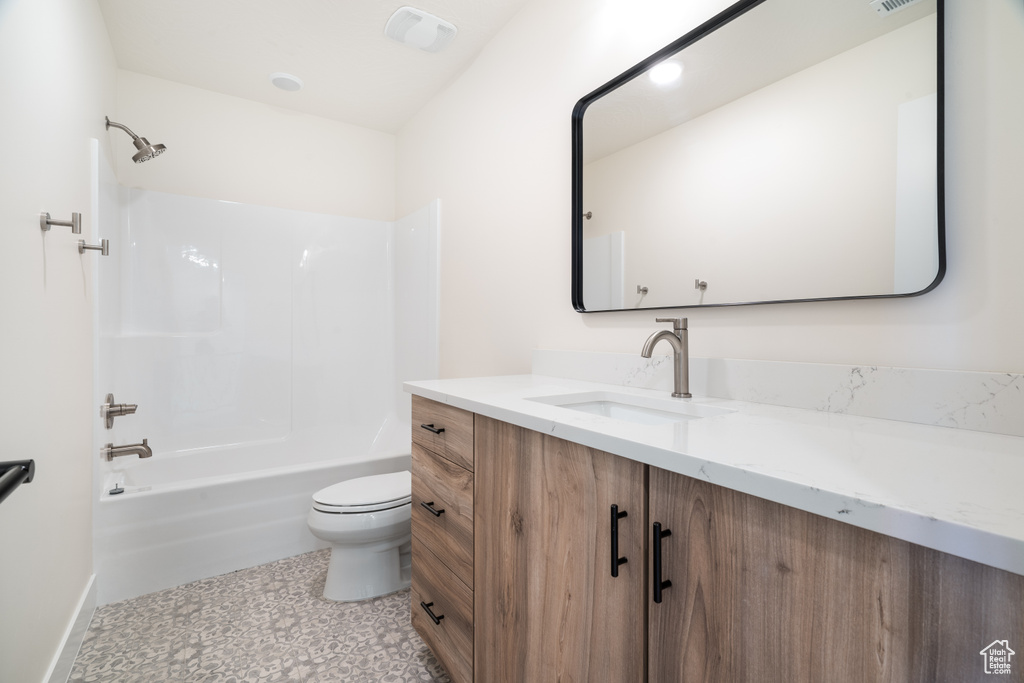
(64, 660)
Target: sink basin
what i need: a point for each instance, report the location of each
(636, 409)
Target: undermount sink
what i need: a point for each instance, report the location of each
(629, 408)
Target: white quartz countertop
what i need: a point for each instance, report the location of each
(958, 491)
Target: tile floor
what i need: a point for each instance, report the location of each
(268, 623)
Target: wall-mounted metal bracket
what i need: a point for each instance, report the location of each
(75, 223)
(13, 474)
(103, 247)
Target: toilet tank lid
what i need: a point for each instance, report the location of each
(378, 488)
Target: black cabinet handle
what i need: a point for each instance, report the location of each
(659, 585)
(616, 560)
(436, 618)
(431, 428)
(431, 510)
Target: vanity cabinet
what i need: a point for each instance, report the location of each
(751, 590)
(442, 533)
(765, 592)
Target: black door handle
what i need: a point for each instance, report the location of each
(616, 560)
(435, 618)
(659, 585)
(431, 428)
(431, 510)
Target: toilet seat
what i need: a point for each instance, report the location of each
(365, 494)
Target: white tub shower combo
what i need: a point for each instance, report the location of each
(265, 349)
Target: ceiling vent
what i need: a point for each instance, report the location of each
(887, 7)
(417, 28)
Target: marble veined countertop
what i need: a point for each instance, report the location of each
(954, 490)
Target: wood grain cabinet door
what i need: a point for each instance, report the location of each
(764, 592)
(546, 605)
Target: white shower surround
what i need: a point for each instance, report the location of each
(265, 349)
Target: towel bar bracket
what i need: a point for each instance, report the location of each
(14, 473)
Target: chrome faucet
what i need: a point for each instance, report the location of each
(680, 351)
(110, 451)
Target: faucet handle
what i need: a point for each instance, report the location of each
(110, 410)
(678, 324)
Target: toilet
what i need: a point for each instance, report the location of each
(368, 522)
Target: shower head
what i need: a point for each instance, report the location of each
(146, 150)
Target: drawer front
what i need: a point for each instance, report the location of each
(443, 429)
(451, 640)
(444, 486)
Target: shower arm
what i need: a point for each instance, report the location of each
(123, 127)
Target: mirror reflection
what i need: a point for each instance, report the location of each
(791, 153)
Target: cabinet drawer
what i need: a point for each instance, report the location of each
(443, 429)
(451, 640)
(448, 487)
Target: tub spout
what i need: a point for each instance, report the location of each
(110, 451)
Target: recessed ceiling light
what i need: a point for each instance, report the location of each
(666, 72)
(286, 82)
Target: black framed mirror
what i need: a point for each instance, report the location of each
(793, 151)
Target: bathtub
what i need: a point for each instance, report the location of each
(192, 515)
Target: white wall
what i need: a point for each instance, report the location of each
(57, 83)
(223, 147)
(496, 146)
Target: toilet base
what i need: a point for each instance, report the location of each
(363, 572)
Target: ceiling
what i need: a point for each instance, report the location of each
(351, 71)
(741, 57)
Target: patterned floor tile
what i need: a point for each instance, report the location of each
(268, 624)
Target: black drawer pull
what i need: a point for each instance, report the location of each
(659, 585)
(616, 560)
(431, 510)
(431, 428)
(436, 618)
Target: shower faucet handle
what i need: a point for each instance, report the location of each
(110, 410)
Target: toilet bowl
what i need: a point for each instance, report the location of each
(368, 522)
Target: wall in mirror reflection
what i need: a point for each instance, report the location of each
(750, 198)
